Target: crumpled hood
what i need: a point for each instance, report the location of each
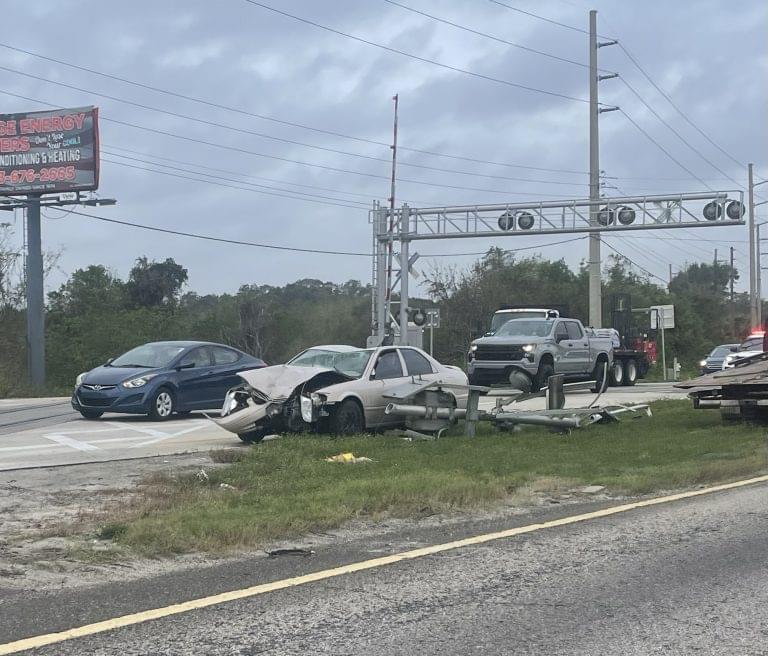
(279, 381)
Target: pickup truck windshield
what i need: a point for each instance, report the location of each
(525, 328)
(500, 318)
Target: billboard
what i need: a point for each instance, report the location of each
(49, 152)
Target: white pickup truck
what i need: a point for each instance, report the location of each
(526, 352)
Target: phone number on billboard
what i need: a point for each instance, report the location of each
(44, 175)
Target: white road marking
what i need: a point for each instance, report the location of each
(170, 436)
(139, 429)
(71, 443)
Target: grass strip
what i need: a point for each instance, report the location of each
(285, 488)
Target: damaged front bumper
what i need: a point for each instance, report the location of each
(243, 411)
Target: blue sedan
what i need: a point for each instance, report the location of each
(162, 378)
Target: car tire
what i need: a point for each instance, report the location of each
(617, 373)
(348, 418)
(630, 373)
(91, 414)
(546, 369)
(254, 436)
(598, 374)
(161, 404)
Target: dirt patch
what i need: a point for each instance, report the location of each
(49, 540)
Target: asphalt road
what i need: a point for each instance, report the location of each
(687, 577)
(48, 433)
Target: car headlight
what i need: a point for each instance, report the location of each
(80, 378)
(528, 348)
(138, 382)
(306, 409)
(473, 348)
(703, 363)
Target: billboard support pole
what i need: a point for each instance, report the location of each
(35, 299)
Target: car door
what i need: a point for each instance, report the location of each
(193, 380)
(226, 364)
(417, 365)
(580, 358)
(563, 350)
(387, 373)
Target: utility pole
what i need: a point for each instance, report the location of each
(35, 299)
(670, 275)
(390, 245)
(732, 308)
(595, 286)
(714, 273)
(755, 270)
(753, 273)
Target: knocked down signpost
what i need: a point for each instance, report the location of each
(430, 407)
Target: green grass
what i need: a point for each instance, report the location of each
(285, 488)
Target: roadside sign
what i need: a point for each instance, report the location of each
(662, 316)
(433, 318)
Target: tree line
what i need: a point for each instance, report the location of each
(96, 315)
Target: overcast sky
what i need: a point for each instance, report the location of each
(710, 57)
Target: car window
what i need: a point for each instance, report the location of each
(199, 357)
(388, 366)
(223, 355)
(416, 363)
(561, 331)
(574, 331)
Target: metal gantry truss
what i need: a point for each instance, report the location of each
(694, 210)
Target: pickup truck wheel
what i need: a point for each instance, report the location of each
(630, 372)
(542, 377)
(617, 373)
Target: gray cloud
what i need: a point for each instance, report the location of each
(710, 58)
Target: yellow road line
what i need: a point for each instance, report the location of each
(213, 600)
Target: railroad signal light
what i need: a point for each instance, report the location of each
(507, 220)
(626, 215)
(712, 211)
(525, 220)
(605, 216)
(735, 210)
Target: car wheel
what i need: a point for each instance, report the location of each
(617, 373)
(91, 414)
(161, 404)
(348, 418)
(542, 377)
(254, 436)
(630, 373)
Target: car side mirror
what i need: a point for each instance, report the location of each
(373, 375)
(186, 365)
(109, 362)
(734, 349)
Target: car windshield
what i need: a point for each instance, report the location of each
(526, 328)
(350, 363)
(500, 318)
(149, 356)
(752, 344)
(720, 351)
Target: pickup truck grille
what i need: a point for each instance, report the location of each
(498, 352)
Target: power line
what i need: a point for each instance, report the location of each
(675, 132)
(507, 250)
(231, 186)
(679, 111)
(541, 18)
(490, 36)
(416, 57)
(633, 263)
(236, 242)
(664, 150)
(274, 119)
(262, 135)
(278, 247)
(293, 161)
